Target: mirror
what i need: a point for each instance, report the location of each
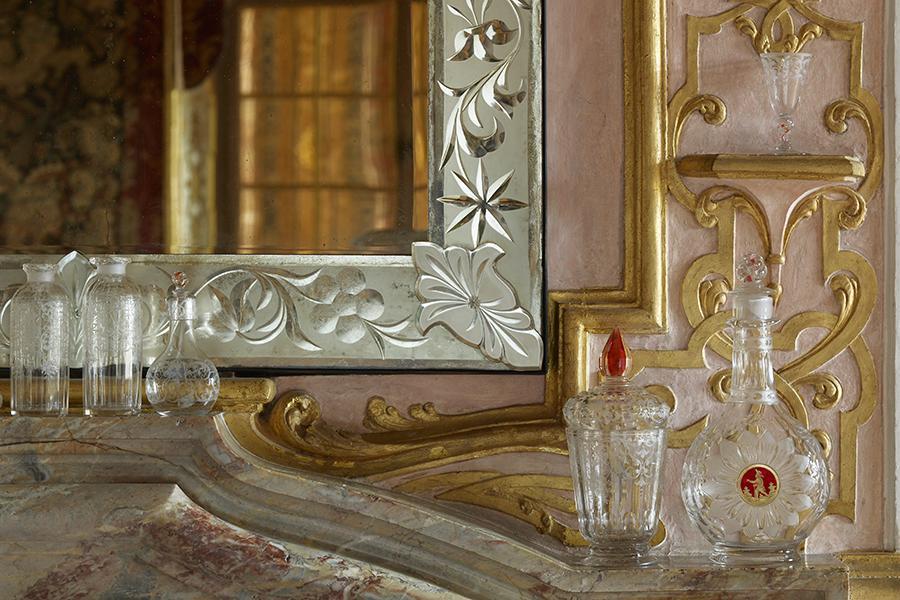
(281, 127)
(346, 183)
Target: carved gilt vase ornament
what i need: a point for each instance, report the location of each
(617, 435)
(755, 482)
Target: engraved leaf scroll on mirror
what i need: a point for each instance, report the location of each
(471, 156)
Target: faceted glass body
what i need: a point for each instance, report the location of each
(755, 483)
(785, 74)
(182, 380)
(616, 435)
(113, 333)
(40, 317)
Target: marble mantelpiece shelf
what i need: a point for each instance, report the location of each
(242, 396)
(806, 167)
(694, 576)
(74, 482)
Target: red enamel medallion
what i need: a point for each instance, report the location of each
(758, 484)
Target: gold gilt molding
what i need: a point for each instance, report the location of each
(873, 575)
(246, 397)
(839, 207)
(537, 499)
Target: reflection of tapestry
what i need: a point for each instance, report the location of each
(81, 126)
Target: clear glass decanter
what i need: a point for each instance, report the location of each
(182, 380)
(755, 481)
(40, 317)
(617, 436)
(113, 336)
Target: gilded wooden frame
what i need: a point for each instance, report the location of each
(290, 432)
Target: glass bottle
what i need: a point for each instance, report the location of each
(755, 481)
(40, 317)
(113, 336)
(617, 436)
(182, 380)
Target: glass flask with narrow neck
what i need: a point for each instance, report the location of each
(755, 481)
(40, 319)
(182, 380)
(616, 435)
(113, 336)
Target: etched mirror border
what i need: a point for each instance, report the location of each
(469, 298)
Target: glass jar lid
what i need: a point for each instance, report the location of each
(616, 404)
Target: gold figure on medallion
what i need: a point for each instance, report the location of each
(758, 484)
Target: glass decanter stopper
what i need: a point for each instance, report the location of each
(785, 74)
(39, 319)
(755, 482)
(113, 339)
(617, 435)
(182, 380)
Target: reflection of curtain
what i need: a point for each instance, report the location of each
(81, 125)
(324, 155)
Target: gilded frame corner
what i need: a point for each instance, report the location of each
(291, 431)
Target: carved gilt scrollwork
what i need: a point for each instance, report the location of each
(839, 207)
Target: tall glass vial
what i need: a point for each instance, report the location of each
(113, 333)
(40, 317)
(182, 380)
(755, 481)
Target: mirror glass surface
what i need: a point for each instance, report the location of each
(213, 126)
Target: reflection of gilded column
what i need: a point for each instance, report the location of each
(190, 203)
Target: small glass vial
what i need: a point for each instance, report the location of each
(113, 336)
(40, 317)
(182, 380)
(755, 481)
(617, 436)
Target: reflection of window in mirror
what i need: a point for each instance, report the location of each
(324, 122)
(196, 126)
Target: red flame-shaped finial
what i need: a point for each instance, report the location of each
(615, 355)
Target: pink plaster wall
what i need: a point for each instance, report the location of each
(584, 124)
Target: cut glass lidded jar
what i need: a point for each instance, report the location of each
(617, 436)
(113, 336)
(755, 481)
(40, 320)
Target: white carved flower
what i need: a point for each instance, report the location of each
(347, 304)
(462, 290)
(758, 510)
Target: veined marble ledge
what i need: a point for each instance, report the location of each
(151, 507)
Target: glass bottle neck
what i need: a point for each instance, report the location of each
(752, 373)
(181, 335)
